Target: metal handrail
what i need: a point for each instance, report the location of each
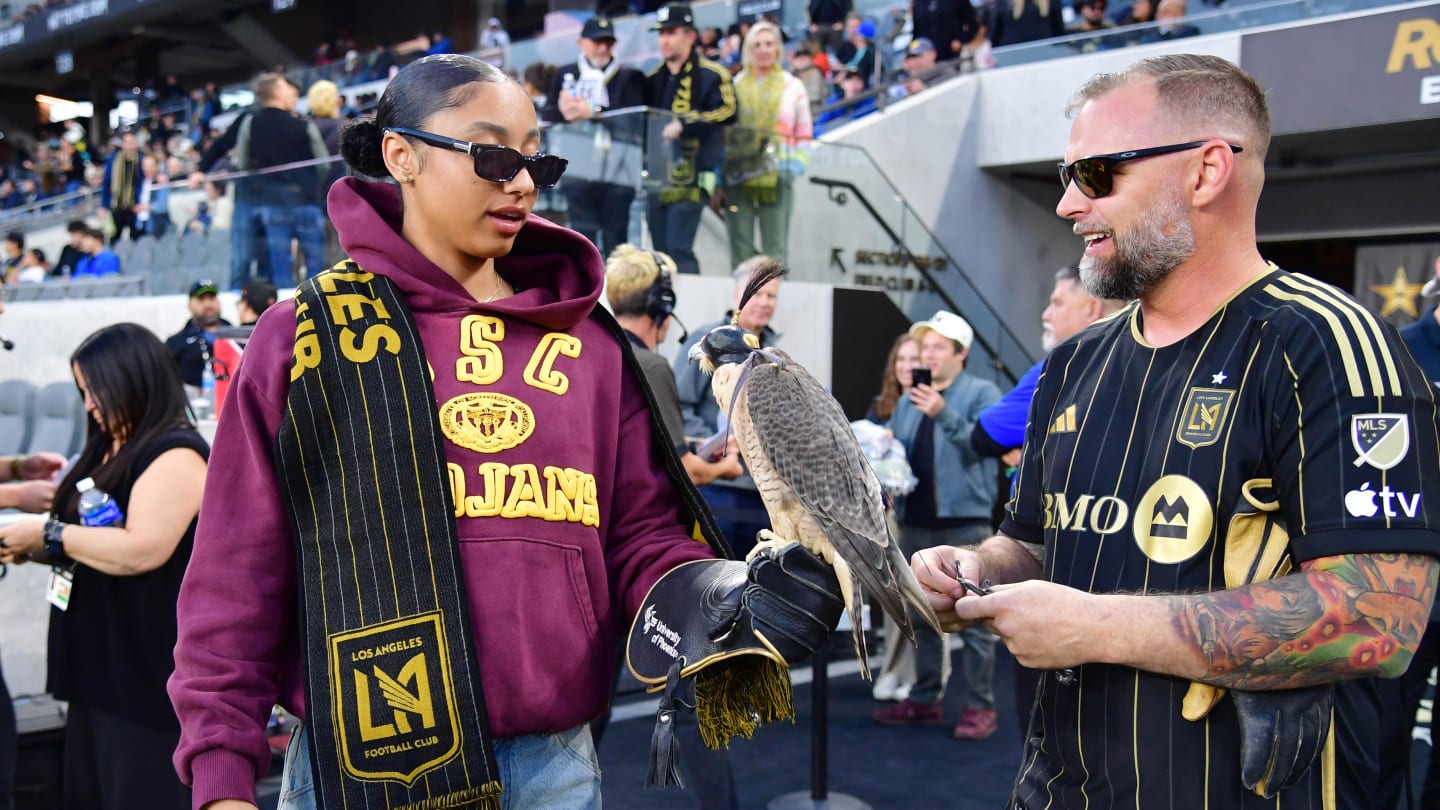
(1001, 367)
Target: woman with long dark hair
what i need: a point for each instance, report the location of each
(904, 357)
(110, 646)
(449, 433)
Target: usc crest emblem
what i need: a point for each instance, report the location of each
(486, 422)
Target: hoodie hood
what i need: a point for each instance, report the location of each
(557, 274)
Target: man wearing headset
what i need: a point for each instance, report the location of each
(638, 287)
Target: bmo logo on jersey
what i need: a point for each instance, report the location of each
(1170, 523)
(1361, 502)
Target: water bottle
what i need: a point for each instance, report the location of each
(97, 508)
(207, 389)
(567, 85)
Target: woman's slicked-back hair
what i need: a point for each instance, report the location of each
(421, 89)
(133, 380)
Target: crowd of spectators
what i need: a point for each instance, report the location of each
(846, 64)
(19, 13)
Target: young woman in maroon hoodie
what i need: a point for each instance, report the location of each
(503, 304)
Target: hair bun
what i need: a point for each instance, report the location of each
(360, 147)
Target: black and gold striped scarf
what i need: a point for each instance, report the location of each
(124, 173)
(396, 713)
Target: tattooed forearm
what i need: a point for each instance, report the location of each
(1348, 616)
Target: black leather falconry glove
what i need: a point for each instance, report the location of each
(1282, 733)
(733, 628)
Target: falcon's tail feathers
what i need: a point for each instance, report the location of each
(857, 625)
(904, 590)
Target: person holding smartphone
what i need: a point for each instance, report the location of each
(950, 505)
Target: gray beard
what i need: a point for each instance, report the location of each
(1143, 257)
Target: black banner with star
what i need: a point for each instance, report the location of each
(1388, 279)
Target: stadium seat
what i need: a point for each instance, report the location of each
(167, 251)
(17, 405)
(59, 420)
(105, 287)
(55, 290)
(124, 250)
(217, 258)
(25, 292)
(193, 248)
(167, 280)
(142, 257)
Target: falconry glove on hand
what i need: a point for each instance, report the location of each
(1282, 732)
(733, 628)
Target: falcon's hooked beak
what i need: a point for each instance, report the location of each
(724, 344)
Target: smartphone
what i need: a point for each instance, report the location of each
(920, 376)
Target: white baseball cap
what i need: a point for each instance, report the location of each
(1432, 287)
(948, 324)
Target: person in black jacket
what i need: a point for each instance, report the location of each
(193, 346)
(827, 21)
(699, 94)
(71, 254)
(287, 203)
(950, 24)
(604, 152)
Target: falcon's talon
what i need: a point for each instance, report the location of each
(767, 540)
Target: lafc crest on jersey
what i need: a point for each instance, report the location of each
(1203, 416)
(394, 699)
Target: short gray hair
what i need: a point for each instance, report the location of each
(744, 269)
(1199, 91)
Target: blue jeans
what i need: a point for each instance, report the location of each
(600, 212)
(304, 223)
(244, 244)
(538, 771)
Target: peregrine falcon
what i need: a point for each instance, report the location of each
(814, 479)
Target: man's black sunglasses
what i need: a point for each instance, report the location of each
(1093, 175)
(498, 164)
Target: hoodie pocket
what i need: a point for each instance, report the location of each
(533, 608)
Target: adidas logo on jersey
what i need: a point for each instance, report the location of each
(1065, 422)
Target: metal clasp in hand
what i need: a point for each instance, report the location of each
(1066, 676)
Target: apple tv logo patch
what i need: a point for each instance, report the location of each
(1361, 502)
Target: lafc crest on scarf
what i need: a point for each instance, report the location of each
(396, 707)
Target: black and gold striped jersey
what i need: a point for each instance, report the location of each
(1143, 467)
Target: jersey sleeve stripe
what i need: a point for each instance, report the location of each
(1299, 437)
(1357, 314)
(1362, 340)
(1342, 340)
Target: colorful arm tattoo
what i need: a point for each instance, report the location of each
(1349, 616)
